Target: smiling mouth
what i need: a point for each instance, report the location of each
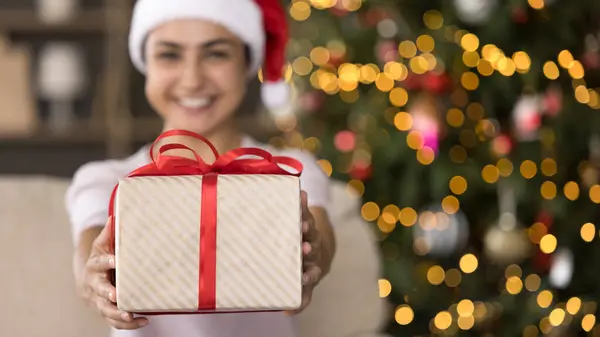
(196, 104)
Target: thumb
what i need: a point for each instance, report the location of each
(103, 241)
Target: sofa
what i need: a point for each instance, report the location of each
(37, 280)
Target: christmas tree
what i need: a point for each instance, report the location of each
(470, 129)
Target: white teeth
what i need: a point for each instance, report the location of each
(194, 103)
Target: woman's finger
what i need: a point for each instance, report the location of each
(105, 289)
(102, 263)
(102, 241)
(135, 324)
(109, 310)
(311, 276)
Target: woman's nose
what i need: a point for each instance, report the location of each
(192, 76)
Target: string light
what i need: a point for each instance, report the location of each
(588, 232)
(404, 315)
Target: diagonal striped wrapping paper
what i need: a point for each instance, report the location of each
(157, 245)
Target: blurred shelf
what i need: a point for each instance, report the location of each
(25, 21)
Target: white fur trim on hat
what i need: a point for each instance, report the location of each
(275, 94)
(242, 17)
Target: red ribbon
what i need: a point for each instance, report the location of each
(228, 163)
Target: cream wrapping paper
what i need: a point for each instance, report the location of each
(259, 238)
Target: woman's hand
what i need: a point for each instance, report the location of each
(312, 252)
(93, 284)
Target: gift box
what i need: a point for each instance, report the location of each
(196, 238)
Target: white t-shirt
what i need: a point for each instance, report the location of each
(87, 206)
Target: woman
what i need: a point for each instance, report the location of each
(198, 57)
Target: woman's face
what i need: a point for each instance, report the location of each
(196, 75)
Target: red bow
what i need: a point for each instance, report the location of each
(228, 163)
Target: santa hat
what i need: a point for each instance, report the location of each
(260, 24)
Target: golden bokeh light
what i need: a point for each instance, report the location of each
(505, 167)
(595, 194)
(300, 10)
(436, 275)
(587, 322)
(490, 174)
(326, 166)
(537, 232)
(533, 282)
(576, 70)
(536, 4)
(453, 277)
(455, 117)
(319, 55)
(514, 285)
(531, 331)
(485, 68)
(571, 190)
(370, 211)
(465, 308)
(384, 83)
(407, 49)
(544, 298)
(450, 204)
(548, 190)
(513, 270)
(385, 288)
(443, 320)
(470, 59)
(548, 167)
(469, 81)
(398, 97)
(565, 59)
(551, 70)
(433, 19)
(465, 322)
(557, 317)
(573, 305)
(425, 155)
(425, 43)
(458, 185)
(403, 121)
(582, 94)
(528, 169)
(588, 232)
(468, 263)
(404, 315)
(356, 187)
(408, 216)
(522, 61)
(469, 42)
(548, 244)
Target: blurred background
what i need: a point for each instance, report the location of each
(467, 131)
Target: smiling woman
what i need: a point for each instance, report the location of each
(199, 58)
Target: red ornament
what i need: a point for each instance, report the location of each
(553, 101)
(542, 261)
(361, 171)
(345, 141)
(591, 60)
(432, 82)
(502, 145)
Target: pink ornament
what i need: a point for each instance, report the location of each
(387, 51)
(553, 101)
(502, 145)
(345, 141)
(429, 130)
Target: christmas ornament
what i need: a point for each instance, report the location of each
(506, 242)
(56, 11)
(443, 234)
(562, 267)
(474, 12)
(426, 120)
(61, 80)
(527, 118)
(387, 51)
(552, 101)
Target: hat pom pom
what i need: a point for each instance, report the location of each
(275, 94)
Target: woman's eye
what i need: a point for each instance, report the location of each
(168, 56)
(218, 55)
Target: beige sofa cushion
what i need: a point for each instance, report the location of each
(39, 300)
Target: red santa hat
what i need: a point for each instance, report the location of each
(260, 24)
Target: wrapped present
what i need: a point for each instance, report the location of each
(190, 237)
